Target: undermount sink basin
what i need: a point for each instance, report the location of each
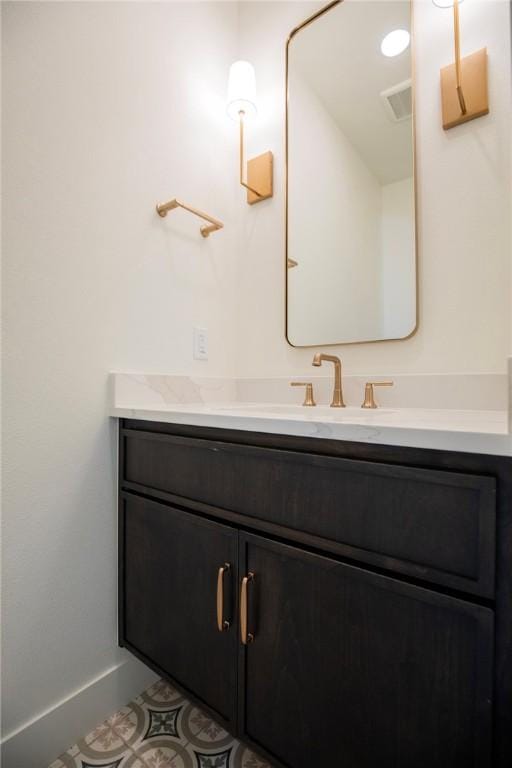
(319, 412)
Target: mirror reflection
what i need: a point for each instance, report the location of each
(351, 253)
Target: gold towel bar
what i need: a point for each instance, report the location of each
(214, 224)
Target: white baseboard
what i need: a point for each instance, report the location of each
(37, 743)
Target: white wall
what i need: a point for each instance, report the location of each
(108, 107)
(463, 204)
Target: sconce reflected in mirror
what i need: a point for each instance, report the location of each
(463, 84)
(258, 177)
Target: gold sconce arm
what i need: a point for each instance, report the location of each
(456, 34)
(213, 224)
(242, 163)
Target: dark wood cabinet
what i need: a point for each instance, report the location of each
(358, 669)
(170, 568)
(379, 601)
(437, 526)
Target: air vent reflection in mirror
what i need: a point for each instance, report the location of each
(397, 101)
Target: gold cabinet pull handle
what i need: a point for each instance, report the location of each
(222, 624)
(245, 636)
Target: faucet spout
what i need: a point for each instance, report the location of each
(337, 395)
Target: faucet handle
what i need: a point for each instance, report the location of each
(369, 399)
(309, 399)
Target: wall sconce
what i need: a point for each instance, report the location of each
(463, 84)
(242, 105)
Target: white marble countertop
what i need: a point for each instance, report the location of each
(470, 431)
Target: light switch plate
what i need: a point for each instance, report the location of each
(200, 344)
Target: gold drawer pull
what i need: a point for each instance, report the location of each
(245, 636)
(222, 624)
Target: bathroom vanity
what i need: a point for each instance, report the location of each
(331, 602)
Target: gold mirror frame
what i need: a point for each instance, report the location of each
(291, 36)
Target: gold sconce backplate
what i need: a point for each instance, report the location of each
(259, 176)
(474, 85)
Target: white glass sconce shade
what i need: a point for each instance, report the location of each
(445, 3)
(241, 90)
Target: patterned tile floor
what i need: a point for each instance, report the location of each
(159, 729)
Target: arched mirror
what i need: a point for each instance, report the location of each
(351, 217)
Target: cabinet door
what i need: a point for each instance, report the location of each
(169, 583)
(349, 668)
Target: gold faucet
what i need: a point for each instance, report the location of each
(309, 397)
(337, 395)
(369, 399)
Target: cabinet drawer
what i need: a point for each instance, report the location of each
(438, 526)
